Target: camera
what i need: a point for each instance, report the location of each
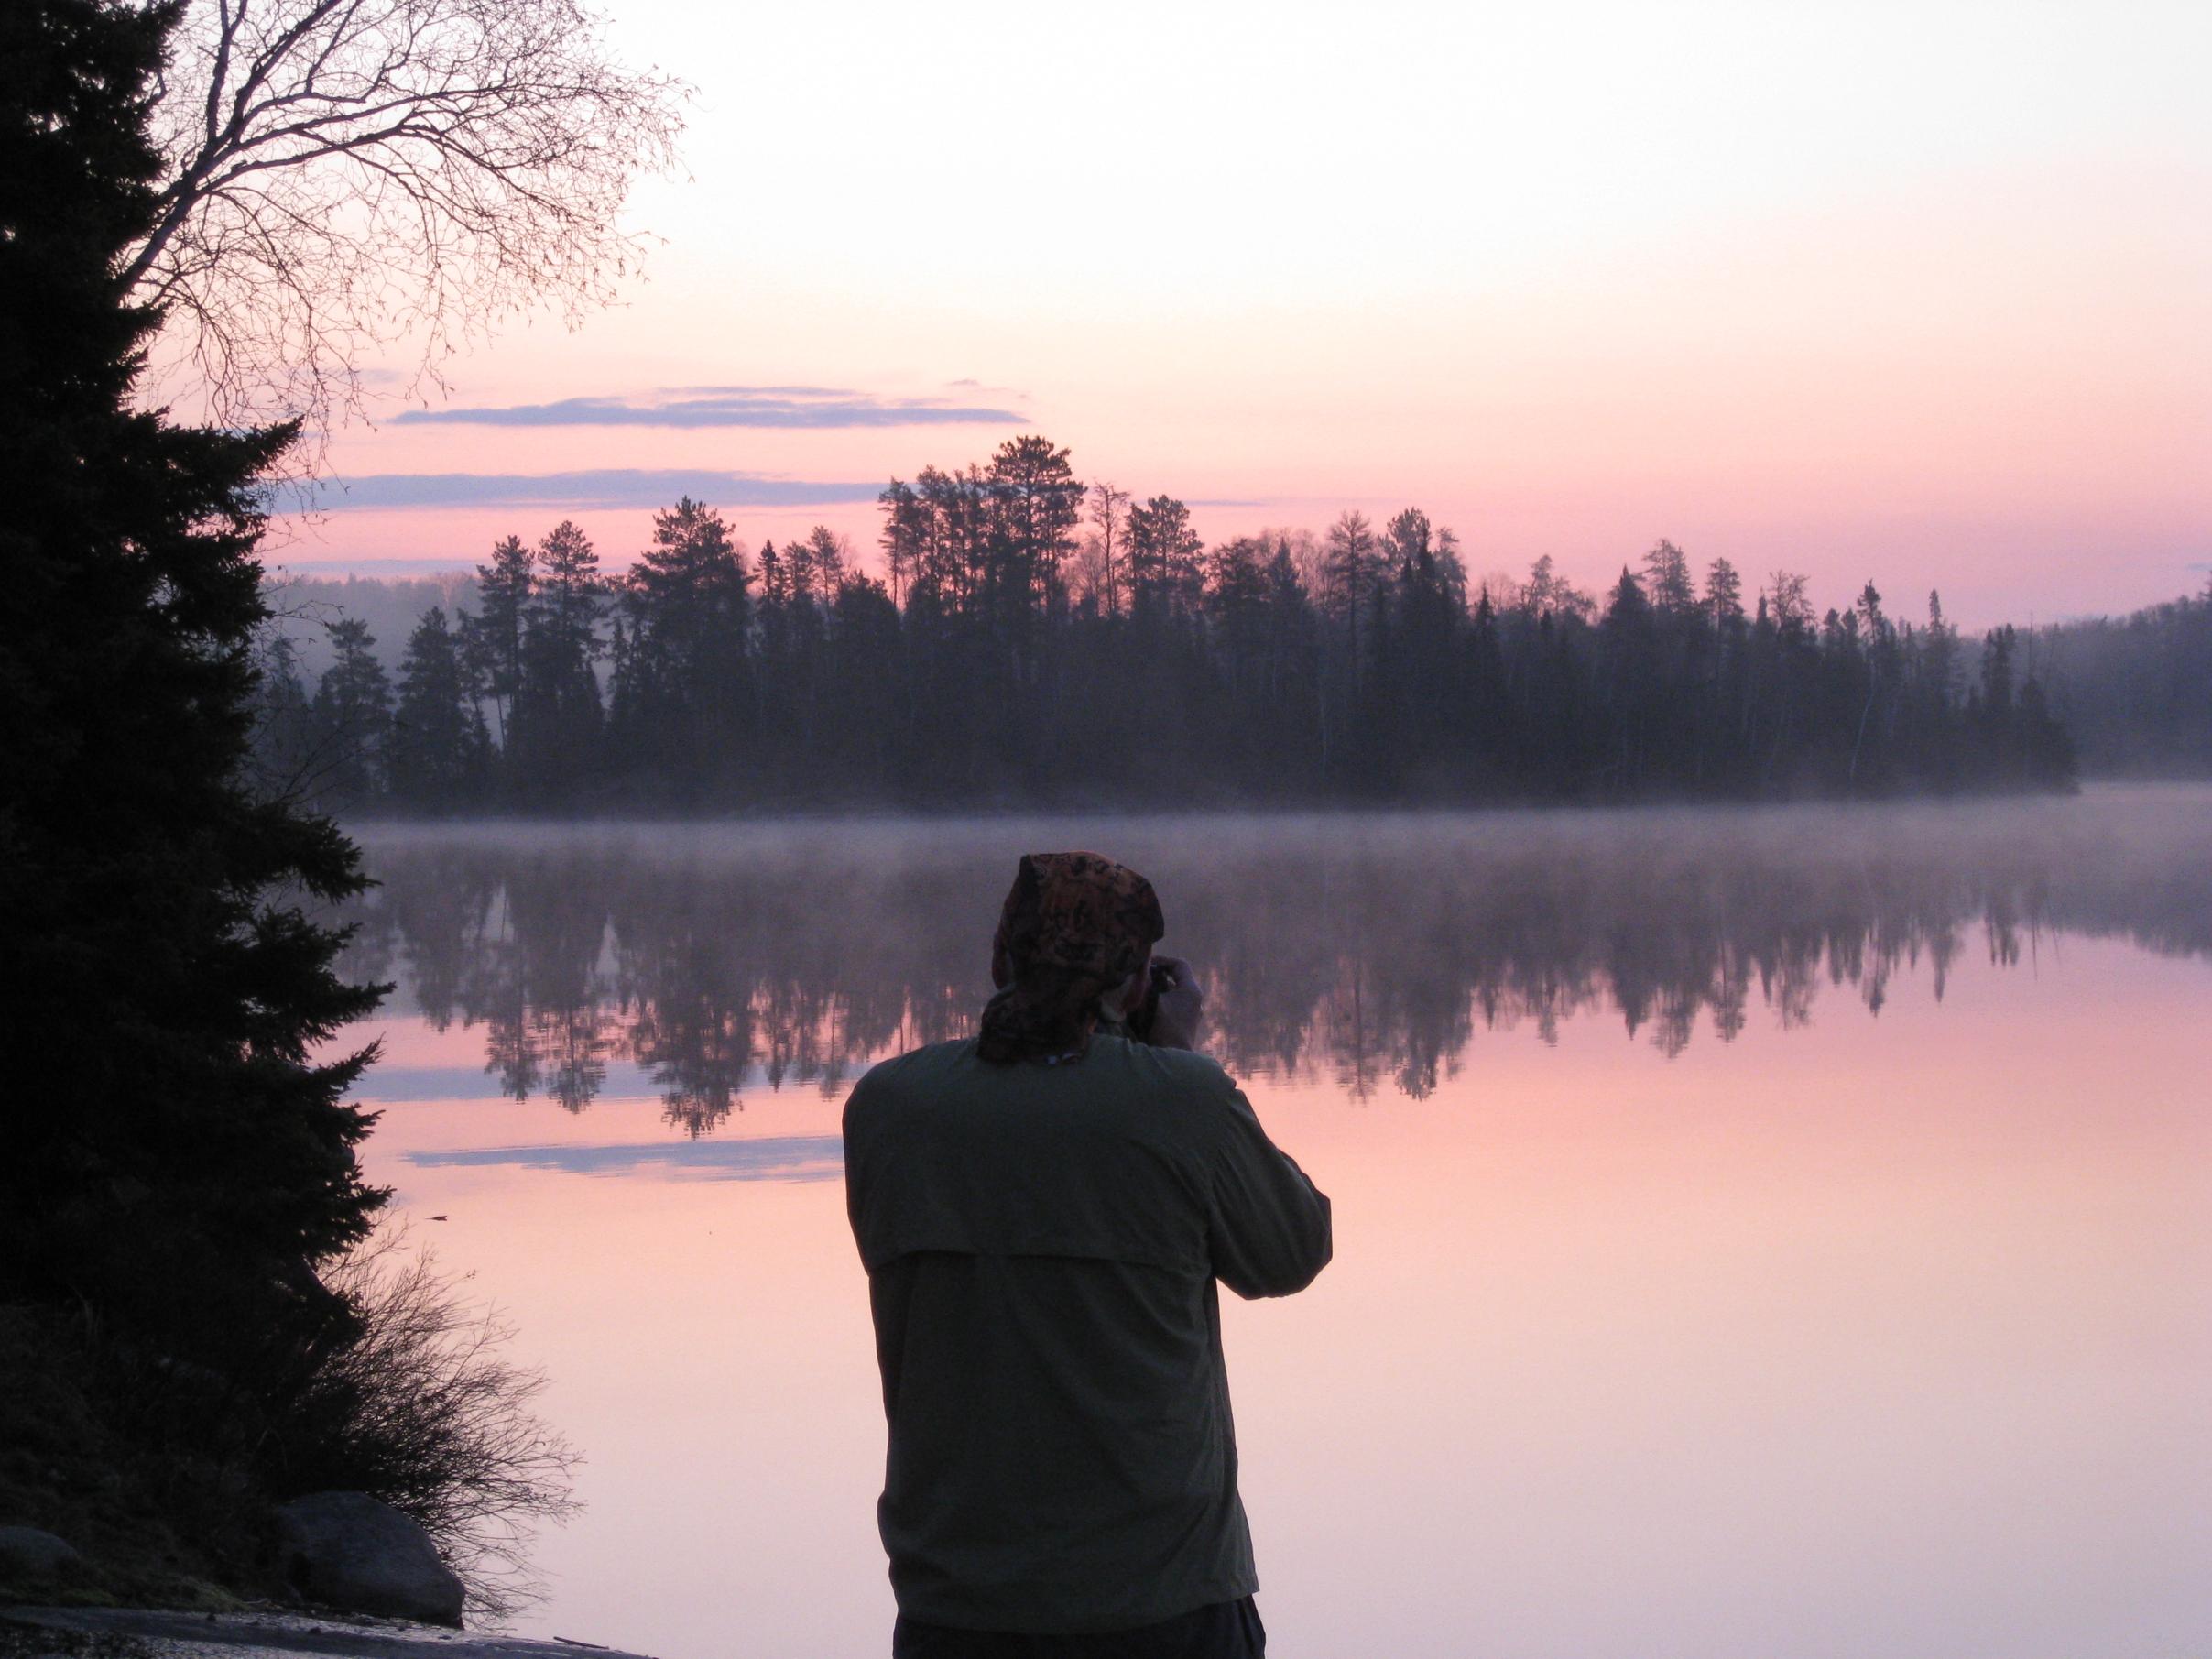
(1159, 978)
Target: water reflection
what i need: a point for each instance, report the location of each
(769, 1158)
(1369, 952)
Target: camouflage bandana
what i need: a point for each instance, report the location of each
(1074, 926)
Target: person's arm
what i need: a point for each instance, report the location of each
(1269, 1234)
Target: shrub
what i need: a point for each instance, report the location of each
(421, 1405)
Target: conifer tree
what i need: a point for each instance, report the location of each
(557, 710)
(504, 589)
(352, 719)
(689, 603)
(905, 521)
(1724, 598)
(173, 1154)
(1354, 567)
(1666, 580)
(439, 742)
(1164, 552)
(1271, 667)
(1036, 501)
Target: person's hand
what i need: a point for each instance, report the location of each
(1182, 1009)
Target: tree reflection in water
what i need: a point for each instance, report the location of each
(1365, 950)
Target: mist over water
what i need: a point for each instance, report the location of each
(1758, 1232)
(1365, 950)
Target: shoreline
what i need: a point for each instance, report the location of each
(124, 1633)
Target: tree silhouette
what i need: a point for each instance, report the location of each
(557, 714)
(681, 689)
(440, 748)
(353, 718)
(171, 1158)
(339, 175)
(1004, 662)
(2137, 689)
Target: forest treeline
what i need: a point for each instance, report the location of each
(2136, 690)
(1034, 639)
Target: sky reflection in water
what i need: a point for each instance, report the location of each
(1856, 1303)
(1365, 952)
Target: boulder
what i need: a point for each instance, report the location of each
(347, 1550)
(27, 1552)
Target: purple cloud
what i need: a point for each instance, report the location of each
(788, 408)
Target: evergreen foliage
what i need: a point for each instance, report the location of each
(557, 714)
(440, 748)
(352, 715)
(2136, 690)
(682, 689)
(1007, 661)
(174, 1156)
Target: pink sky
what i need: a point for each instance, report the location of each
(1922, 296)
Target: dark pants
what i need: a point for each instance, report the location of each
(1226, 1629)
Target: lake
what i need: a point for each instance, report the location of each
(1765, 1231)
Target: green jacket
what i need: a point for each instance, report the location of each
(1042, 1246)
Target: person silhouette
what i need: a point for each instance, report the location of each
(1045, 1211)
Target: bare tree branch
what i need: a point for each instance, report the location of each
(346, 176)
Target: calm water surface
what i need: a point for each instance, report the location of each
(1779, 1233)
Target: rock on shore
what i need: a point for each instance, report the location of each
(348, 1550)
(27, 1552)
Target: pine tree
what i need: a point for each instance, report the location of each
(1724, 598)
(1297, 668)
(555, 735)
(1354, 567)
(440, 747)
(171, 1155)
(504, 588)
(686, 690)
(1166, 577)
(1629, 685)
(827, 557)
(905, 533)
(1667, 579)
(1547, 593)
(352, 719)
(1036, 503)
